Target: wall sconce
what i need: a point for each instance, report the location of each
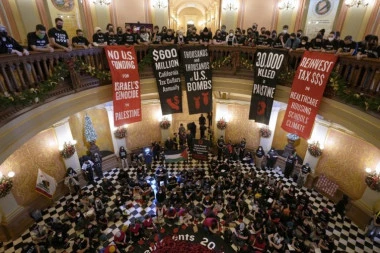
(314, 148)
(102, 2)
(357, 3)
(373, 178)
(160, 4)
(287, 4)
(68, 149)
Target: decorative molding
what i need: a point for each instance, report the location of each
(42, 12)
(341, 17)
(300, 14)
(374, 19)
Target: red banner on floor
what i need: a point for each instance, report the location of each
(126, 84)
(307, 90)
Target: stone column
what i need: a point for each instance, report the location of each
(11, 216)
(117, 143)
(266, 143)
(63, 133)
(319, 134)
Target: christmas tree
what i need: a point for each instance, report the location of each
(89, 131)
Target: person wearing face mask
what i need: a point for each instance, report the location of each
(205, 37)
(218, 38)
(60, 240)
(112, 38)
(255, 32)
(293, 42)
(144, 36)
(168, 38)
(108, 28)
(180, 38)
(299, 33)
(98, 39)
(316, 44)
(38, 40)
(156, 35)
(58, 37)
(193, 38)
(239, 38)
(119, 35)
(231, 39)
(250, 39)
(304, 45)
(129, 38)
(8, 45)
(279, 42)
(285, 30)
(80, 41)
(330, 45)
(262, 36)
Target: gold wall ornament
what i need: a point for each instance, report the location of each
(63, 5)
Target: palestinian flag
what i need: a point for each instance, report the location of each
(173, 156)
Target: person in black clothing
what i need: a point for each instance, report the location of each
(209, 118)
(81, 244)
(259, 155)
(175, 141)
(123, 157)
(193, 37)
(205, 37)
(346, 46)
(129, 38)
(38, 40)
(60, 240)
(271, 158)
(98, 165)
(30, 247)
(371, 49)
(285, 29)
(331, 44)
(58, 37)
(169, 144)
(8, 45)
(156, 35)
(340, 207)
(80, 41)
(241, 147)
(304, 45)
(168, 38)
(120, 35)
(98, 38)
(144, 36)
(250, 39)
(279, 42)
(316, 43)
(218, 38)
(291, 161)
(221, 146)
(109, 28)
(112, 39)
(231, 39)
(202, 120)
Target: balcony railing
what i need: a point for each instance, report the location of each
(21, 75)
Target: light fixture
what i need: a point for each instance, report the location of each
(160, 4)
(102, 2)
(357, 3)
(11, 174)
(230, 7)
(287, 4)
(373, 178)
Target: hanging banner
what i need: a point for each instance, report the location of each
(198, 79)
(126, 84)
(46, 184)
(267, 68)
(200, 149)
(166, 71)
(321, 15)
(308, 86)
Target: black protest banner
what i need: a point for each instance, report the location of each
(166, 71)
(200, 149)
(267, 68)
(198, 79)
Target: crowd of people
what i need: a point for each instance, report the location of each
(251, 209)
(44, 40)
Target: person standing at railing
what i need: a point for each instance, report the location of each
(112, 39)
(219, 39)
(180, 39)
(9, 45)
(205, 37)
(129, 38)
(168, 38)
(347, 46)
(279, 42)
(304, 45)
(316, 43)
(156, 35)
(371, 49)
(144, 36)
(193, 38)
(38, 40)
(293, 42)
(231, 39)
(119, 35)
(80, 41)
(331, 44)
(58, 37)
(98, 38)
